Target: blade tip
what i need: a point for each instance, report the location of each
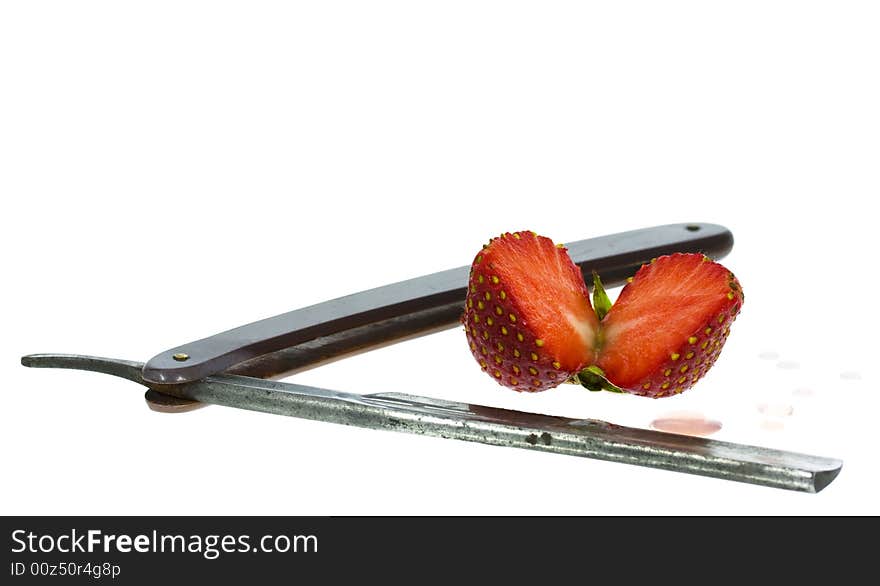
(825, 477)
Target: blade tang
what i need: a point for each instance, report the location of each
(401, 310)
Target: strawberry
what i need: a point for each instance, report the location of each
(531, 326)
(528, 316)
(668, 325)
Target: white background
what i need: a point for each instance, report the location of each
(172, 169)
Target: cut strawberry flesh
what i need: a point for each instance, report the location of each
(548, 296)
(678, 306)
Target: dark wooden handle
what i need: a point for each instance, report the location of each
(306, 337)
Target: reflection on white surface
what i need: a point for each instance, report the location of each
(686, 423)
(776, 409)
(772, 425)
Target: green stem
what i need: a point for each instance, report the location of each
(593, 378)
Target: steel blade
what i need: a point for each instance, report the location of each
(488, 425)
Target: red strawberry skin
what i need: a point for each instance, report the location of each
(668, 325)
(528, 317)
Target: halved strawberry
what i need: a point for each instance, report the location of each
(528, 316)
(668, 325)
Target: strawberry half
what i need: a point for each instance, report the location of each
(668, 325)
(528, 316)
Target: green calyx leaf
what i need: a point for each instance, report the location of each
(601, 303)
(593, 378)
